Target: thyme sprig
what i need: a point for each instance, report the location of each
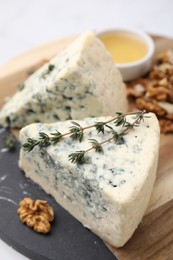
(76, 132)
(79, 156)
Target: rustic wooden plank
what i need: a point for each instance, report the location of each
(163, 188)
(153, 240)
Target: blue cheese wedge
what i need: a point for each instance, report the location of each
(110, 192)
(81, 81)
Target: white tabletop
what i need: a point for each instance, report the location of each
(25, 24)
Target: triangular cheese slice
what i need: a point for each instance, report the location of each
(110, 193)
(79, 82)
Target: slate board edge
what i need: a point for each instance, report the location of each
(21, 249)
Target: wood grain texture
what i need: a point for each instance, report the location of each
(153, 240)
(154, 237)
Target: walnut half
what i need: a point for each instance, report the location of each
(36, 214)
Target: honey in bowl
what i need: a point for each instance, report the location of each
(124, 47)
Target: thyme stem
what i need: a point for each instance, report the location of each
(79, 156)
(76, 132)
(112, 119)
(123, 132)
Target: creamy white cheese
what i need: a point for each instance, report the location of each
(110, 193)
(79, 82)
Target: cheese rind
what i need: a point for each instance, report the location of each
(110, 193)
(79, 82)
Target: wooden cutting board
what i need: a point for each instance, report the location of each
(154, 237)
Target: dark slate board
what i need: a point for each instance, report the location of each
(68, 240)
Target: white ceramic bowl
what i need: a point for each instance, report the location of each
(138, 68)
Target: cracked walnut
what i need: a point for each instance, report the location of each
(154, 92)
(36, 214)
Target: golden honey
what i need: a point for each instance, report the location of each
(124, 47)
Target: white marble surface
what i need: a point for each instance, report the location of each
(25, 24)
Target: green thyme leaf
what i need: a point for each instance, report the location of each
(76, 131)
(30, 144)
(96, 145)
(77, 157)
(56, 137)
(115, 135)
(119, 113)
(108, 126)
(10, 142)
(119, 121)
(100, 127)
(44, 139)
(76, 124)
